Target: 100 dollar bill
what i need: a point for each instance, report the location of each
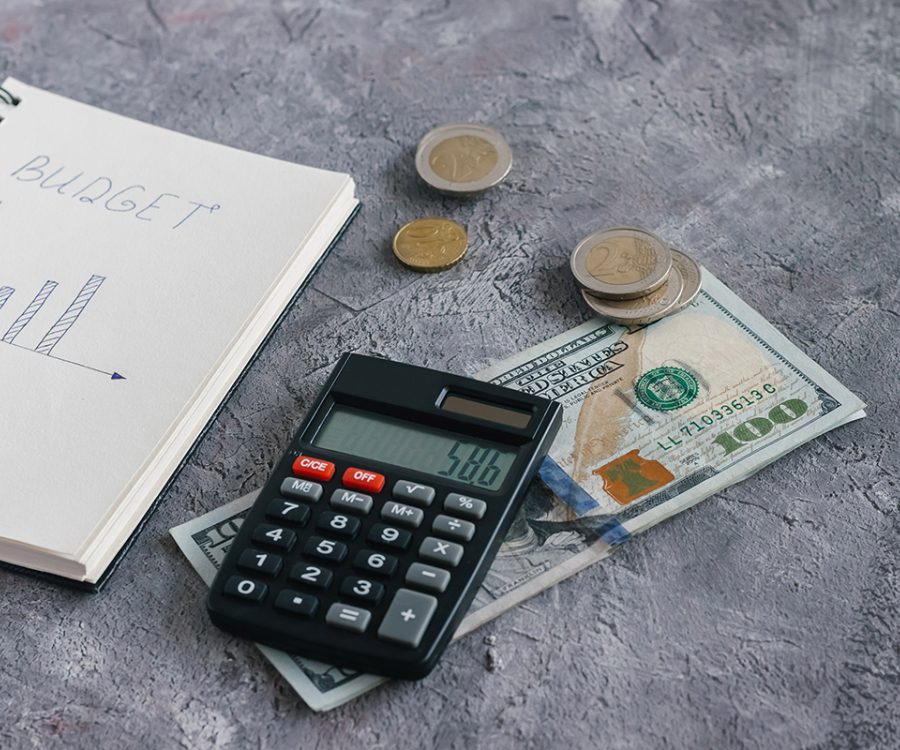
(659, 417)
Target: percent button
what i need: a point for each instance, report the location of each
(463, 506)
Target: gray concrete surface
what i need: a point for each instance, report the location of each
(763, 137)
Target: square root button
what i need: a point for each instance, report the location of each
(407, 618)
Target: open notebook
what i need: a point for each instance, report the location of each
(140, 270)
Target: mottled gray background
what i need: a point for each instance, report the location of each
(762, 137)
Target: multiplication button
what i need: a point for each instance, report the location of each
(407, 618)
(439, 552)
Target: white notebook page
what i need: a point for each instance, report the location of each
(133, 251)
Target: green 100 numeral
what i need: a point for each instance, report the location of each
(754, 429)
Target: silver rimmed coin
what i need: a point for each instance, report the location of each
(463, 159)
(659, 303)
(692, 276)
(621, 263)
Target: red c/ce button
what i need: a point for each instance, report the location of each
(363, 480)
(313, 468)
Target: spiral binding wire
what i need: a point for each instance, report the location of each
(7, 98)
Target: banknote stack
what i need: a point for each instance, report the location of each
(630, 276)
(656, 419)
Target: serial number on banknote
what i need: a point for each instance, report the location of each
(748, 431)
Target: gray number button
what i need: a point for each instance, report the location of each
(426, 578)
(416, 494)
(439, 552)
(407, 618)
(464, 506)
(453, 528)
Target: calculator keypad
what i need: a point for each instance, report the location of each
(408, 535)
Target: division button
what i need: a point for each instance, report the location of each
(402, 515)
(464, 506)
(296, 603)
(446, 554)
(260, 562)
(287, 510)
(407, 618)
(426, 578)
(313, 468)
(353, 502)
(342, 616)
(300, 489)
(361, 479)
(453, 528)
(244, 588)
(412, 493)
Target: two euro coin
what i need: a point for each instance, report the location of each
(631, 276)
(463, 159)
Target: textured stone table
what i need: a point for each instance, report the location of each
(764, 138)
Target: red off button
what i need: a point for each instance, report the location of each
(313, 468)
(363, 480)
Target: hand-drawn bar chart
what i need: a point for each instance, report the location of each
(62, 326)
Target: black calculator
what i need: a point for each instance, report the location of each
(369, 541)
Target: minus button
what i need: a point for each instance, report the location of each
(427, 578)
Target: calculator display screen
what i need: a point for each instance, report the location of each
(444, 454)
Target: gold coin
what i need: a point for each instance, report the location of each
(463, 159)
(659, 303)
(621, 263)
(430, 245)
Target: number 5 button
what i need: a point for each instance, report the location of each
(445, 554)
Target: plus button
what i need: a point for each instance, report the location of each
(408, 615)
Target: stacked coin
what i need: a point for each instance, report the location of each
(631, 276)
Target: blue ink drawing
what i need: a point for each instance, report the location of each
(58, 329)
